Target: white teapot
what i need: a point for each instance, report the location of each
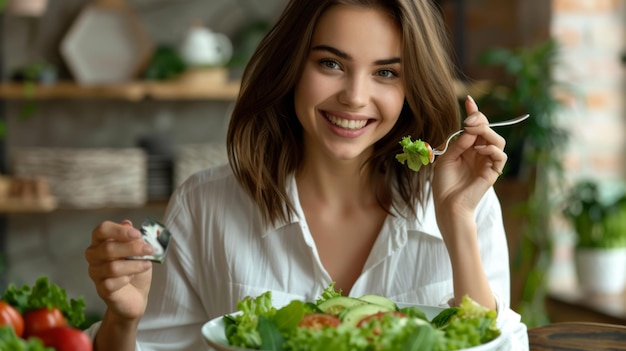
(203, 47)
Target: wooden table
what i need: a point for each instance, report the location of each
(577, 336)
(569, 304)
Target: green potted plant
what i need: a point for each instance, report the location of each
(529, 189)
(599, 224)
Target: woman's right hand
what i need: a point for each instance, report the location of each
(121, 283)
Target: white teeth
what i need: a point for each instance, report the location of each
(346, 123)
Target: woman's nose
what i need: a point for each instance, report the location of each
(355, 92)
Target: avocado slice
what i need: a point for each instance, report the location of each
(379, 300)
(353, 315)
(337, 304)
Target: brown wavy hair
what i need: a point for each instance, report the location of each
(264, 137)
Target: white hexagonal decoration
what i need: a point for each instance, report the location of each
(106, 45)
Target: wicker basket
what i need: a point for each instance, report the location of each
(87, 178)
(192, 158)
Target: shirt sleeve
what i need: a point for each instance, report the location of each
(494, 250)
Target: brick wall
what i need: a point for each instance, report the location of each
(593, 38)
(592, 35)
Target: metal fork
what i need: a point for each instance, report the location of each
(496, 124)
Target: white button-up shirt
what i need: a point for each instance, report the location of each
(220, 252)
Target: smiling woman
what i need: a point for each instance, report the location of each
(313, 193)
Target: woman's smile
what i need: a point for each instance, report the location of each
(349, 124)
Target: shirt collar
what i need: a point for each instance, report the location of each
(424, 223)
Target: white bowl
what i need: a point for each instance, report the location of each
(213, 333)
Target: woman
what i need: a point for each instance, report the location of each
(313, 193)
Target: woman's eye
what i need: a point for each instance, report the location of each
(330, 64)
(386, 73)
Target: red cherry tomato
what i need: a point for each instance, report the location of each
(41, 319)
(11, 317)
(319, 321)
(65, 339)
(378, 315)
(431, 155)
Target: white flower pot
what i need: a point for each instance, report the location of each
(601, 270)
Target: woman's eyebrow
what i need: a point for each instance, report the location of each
(333, 50)
(388, 61)
(347, 56)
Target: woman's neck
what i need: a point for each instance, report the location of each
(340, 184)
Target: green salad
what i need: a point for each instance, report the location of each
(415, 154)
(371, 323)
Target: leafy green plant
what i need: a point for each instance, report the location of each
(598, 222)
(165, 64)
(245, 42)
(31, 75)
(540, 140)
(535, 149)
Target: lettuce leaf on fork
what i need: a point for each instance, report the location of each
(415, 154)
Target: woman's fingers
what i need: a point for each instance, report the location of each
(114, 250)
(470, 105)
(108, 267)
(484, 140)
(112, 241)
(477, 124)
(495, 154)
(110, 272)
(114, 231)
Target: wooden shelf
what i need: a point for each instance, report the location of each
(183, 91)
(132, 91)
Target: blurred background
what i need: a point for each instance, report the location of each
(107, 105)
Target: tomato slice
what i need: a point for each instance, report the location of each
(378, 316)
(41, 319)
(431, 155)
(319, 321)
(11, 317)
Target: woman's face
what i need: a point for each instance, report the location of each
(350, 93)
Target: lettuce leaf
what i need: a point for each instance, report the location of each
(470, 325)
(328, 293)
(242, 329)
(10, 341)
(45, 294)
(415, 154)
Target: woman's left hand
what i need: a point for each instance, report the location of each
(472, 164)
